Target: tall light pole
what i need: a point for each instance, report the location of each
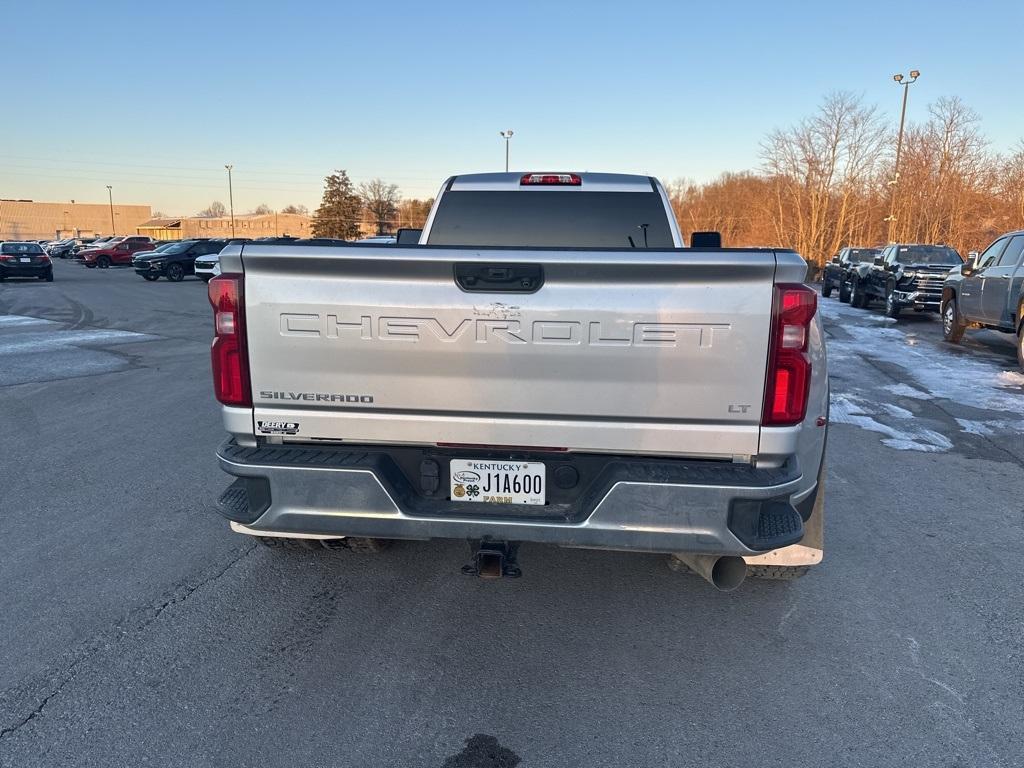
(506, 135)
(110, 196)
(231, 199)
(900, 80)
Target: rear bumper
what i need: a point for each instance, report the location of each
(25, 270)
(707, 507)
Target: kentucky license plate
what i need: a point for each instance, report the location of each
(498, 482)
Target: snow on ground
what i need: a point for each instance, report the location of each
(849, 409)
(935, 372)
(932, 371)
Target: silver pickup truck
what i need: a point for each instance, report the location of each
(549, 363)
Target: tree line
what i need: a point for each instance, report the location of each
(829, 181)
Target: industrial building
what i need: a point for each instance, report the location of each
(31, 220)
(249, 225)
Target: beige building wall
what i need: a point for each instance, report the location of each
(248, 225)
(30, 220)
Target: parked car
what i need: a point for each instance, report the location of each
(208, 267)
(690, 416)
(174, 261)
(836, 274)
(987, 291)
(62, 249)
(904, 276)
(120, 251)
(25, 259)
(103, 242)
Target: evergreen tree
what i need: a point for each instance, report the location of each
(340, 209)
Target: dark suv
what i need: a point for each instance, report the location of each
(905, 275)
(987, 291)
(175, 261)
(836, 274)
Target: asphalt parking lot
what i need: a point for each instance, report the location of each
(138, 630)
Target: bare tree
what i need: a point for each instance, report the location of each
(299, 209)
(381, 202)
(216, 210)
(262, 209)
(822, 169)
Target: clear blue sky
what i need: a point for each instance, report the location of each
(155, 98)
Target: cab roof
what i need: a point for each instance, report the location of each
(592, 182)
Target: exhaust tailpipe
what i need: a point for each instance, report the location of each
(724, 572)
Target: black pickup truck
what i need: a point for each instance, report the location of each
(987, 291)
(836, 274)
(904, 276)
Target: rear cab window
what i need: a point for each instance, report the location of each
(551, 218)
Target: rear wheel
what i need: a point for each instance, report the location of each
(952, 326)
(151, 278)
(103, 262)
(777, 572)
(826, 288)
(1020, 345)
(359, 544)
(892, 307)
(48, 277)
(175, 273)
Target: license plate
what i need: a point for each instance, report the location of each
(24, 260)
(496, 481)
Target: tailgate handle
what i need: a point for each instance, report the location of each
(499, 278)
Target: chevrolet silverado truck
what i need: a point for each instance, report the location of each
(987, 291)
(549, 363)
(904, 276)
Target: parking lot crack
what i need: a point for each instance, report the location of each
(112, 637)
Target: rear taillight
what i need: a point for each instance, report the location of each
(551, 179)
(229, 356)
(789, 366)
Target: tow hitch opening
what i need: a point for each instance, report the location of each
(493, 560)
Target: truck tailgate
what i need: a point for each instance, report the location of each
(623, 351)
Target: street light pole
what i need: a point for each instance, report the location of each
(914, 74)
(231, 199)
(506, 135)
(110, 196)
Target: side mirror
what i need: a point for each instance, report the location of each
(879, 261)
(408, 236)
(968, 267)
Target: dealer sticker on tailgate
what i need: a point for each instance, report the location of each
(497, 482)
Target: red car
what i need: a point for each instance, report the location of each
(116, 252)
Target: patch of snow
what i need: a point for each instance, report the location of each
(1011, 378)
(904, 390)
(20, 321)
(974, 427)
(899, 413)
(847, 409)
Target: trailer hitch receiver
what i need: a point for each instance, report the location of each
(493, 560)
